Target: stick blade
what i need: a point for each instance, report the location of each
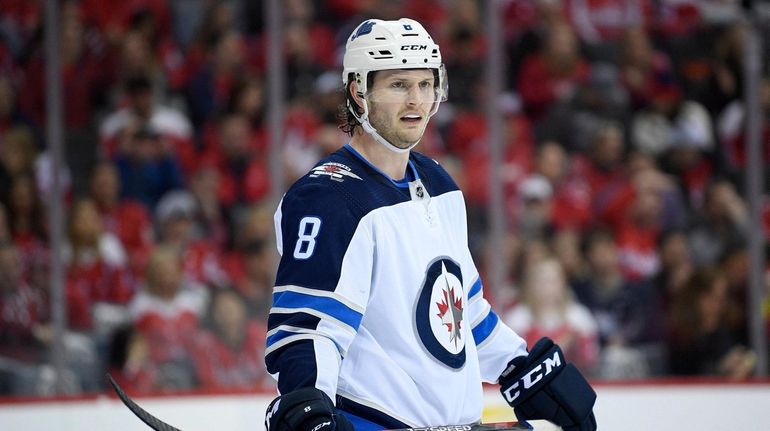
(144, 415)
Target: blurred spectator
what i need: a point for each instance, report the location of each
(553, 74)
(604, 163)
(177, 218)
(210, 85)
(601, 23)
(731, 131)
(676, 264)
(309, 51)
(21, 21)
(114, 17)
(166, 315)
(722, 222)
(85, 72)
(5, 228)
(211, 217)
(253, 277)
(726, 77)
(526, 24)
(641, 66)
(600, 100)
(141, 108)
(251, 265)
(628, 313)
(548, 310)
(138, 59)
(700, 341)
(243, 174)
(127, 219)
(98, 283)
(329, 138)
(23, 312)
(147, 169)
(467, 138)
(464, 64)
(534, 217)
(17, 157)
(566, 248)
(216, 18)
(734, 265)
(247, 99)
(11, 115)
(229, 352)
(167, 56)
(26, 218)
(571, 191)
(637, 214)
(671, 122)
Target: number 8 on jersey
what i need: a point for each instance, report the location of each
(308, 230)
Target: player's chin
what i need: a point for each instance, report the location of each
(410, 140)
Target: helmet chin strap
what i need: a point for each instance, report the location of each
(368, 128)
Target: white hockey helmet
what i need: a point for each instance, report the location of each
(387, 45)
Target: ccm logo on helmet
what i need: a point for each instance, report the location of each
(533, 376)
(413, 47)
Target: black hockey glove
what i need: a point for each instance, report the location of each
(543, 385)
(306, 409)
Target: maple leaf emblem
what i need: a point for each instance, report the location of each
(450, 310)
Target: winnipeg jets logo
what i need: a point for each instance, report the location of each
(439, 313)
(363, 29)
(335, 171)
(450, 310)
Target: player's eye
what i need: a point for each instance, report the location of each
(398, 84)
(426, 84)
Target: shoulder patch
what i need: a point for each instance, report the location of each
(335, 171)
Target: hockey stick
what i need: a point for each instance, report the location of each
(159, 425)
(144, 415)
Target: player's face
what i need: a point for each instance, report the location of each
(399, 104)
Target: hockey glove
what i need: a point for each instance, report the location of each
(306, 409)
(543, 385)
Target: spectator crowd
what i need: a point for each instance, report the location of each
(624, 159)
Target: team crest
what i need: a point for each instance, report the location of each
(363, 29)
(335, 171)
(439, 313)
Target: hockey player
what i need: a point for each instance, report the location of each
(379, 319)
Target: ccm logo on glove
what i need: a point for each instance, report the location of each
(533, 376)
(322, 425)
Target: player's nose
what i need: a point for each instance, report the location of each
(414, 96)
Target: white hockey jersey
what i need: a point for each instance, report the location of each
(377, 301)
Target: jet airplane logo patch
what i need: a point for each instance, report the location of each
(335, 171)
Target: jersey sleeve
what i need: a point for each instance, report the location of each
(496, 343)
(321, 289)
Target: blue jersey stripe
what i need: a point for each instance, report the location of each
(485, 327)
(475, 289)
(322, 304)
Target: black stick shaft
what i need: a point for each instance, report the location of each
(144, 415)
